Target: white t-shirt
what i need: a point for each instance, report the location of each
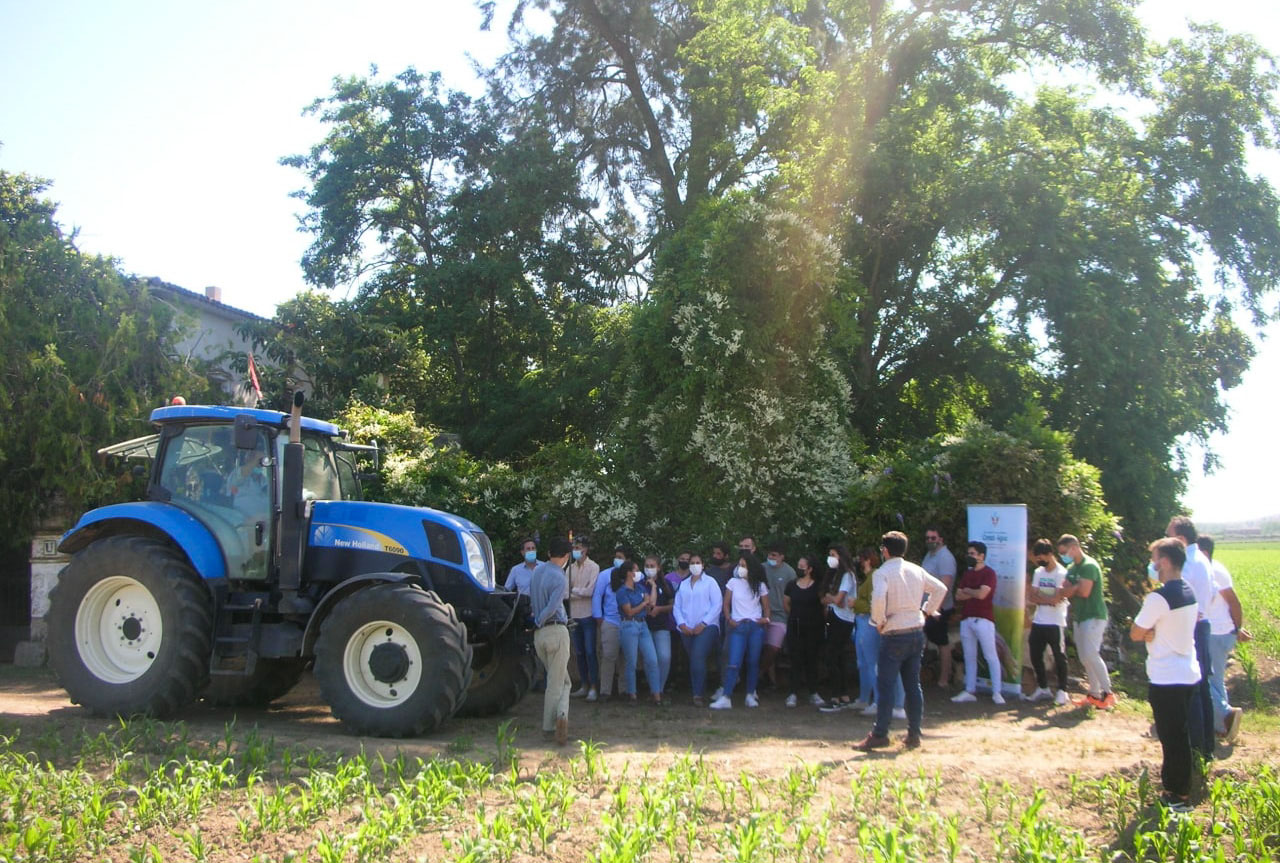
(939, 563)
(1047, 582)
(1220, 622)
(849, 587)
(1171, 656)
(745, 602)
(1199, 577)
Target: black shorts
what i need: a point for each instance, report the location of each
(935, 628)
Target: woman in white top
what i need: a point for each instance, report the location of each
(746, 611)
(841, 588)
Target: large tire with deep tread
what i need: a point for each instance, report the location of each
(130, 628)
(392, 660)
(271, 679)
(501, 674)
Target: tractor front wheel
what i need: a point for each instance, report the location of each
(130, 628)
(392, 660)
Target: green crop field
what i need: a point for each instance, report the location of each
(1255, 568)
(148, 792)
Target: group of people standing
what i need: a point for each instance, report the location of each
(744, 610)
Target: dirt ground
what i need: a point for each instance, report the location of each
(1036, 743)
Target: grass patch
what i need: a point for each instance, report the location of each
(1253, 567)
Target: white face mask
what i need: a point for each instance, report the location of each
(651, 571)
(740, 572)
(833, 562)
(695, 569)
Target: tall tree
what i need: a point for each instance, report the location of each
(84, 356)
(465, 236)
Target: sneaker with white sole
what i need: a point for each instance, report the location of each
(715, 696)
(1061, 697)
(997, 698)
(1041, 694)
(899, 713)
(752, 700)
(791, 700)
(580, 692)
(592, 695)
(816, 700)
(963, 697)
(721, 703)
(1233, 719)
(869, 710)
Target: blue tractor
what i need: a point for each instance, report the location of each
(253, 557)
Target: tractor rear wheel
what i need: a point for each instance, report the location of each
(501, 674)
(130, 628)
(392, 660)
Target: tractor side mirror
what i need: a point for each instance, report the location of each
(246, 432)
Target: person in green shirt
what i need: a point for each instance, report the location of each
(1084, 589)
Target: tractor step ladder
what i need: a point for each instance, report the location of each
(225, 646)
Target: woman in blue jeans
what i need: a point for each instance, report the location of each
(634, 602)
(866, 641)
(746, 611)
(659, 619)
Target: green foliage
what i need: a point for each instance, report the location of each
(84, 356)
(931, 483)
(732, 403)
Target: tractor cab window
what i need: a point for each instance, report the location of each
(321, 479)
(227, 488)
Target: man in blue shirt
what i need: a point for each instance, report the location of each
(551, 637)
(604, 608)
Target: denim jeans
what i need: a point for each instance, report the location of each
(899, 663)
(635, 638)
(866, 643)
(584, 647)
(1220, 647)
(1200, 713)
(745, 642)
(662, 645)
(699, 647)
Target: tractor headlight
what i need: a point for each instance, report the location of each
(477, 562)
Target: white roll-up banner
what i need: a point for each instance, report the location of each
(1003, 527)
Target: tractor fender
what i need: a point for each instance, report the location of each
(157, 520)
(344, 589)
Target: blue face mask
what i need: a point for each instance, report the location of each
(1066, 559)
(771, 561)
(1152, 572)
(530, 556)
(618, 561)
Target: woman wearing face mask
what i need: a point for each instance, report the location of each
(867, 641)
(746, 613)
(841, 586)
(802, 601)
(634, 602)
(697, 616)
(659, 619)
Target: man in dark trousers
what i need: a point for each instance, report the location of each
(1167, 623)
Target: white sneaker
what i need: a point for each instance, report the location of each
(592, 695)
(752, 701)
(997, 698)
(791, 700)
(1061, 697)
(579, 692)
(715, 696)
(816, 700)
(963, 697)
(721, 703)
(1041, 694)
(869, 710)
(899, 713)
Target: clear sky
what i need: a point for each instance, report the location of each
(161, 125)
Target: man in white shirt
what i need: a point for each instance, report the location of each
(1167, 623)
(1048, 622)
(897, 587)
(1198, 575)
(1225, 621)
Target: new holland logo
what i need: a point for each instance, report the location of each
(353, 537)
